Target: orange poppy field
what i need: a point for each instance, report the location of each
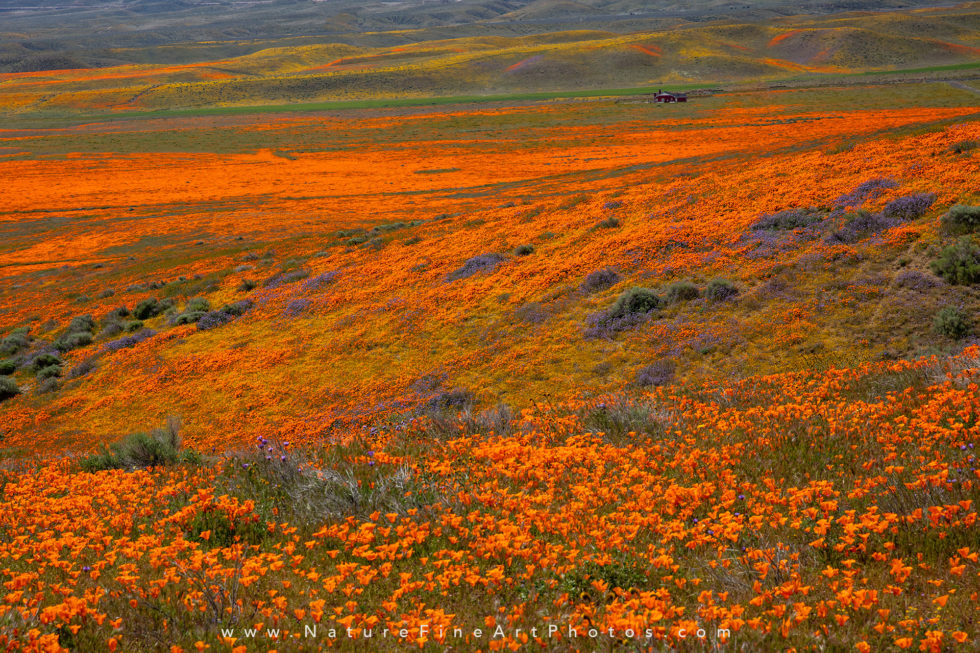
(590, 374)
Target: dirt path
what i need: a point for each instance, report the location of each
(964, 86)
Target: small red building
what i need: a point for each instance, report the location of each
(662, 96)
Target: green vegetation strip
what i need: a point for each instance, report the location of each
(380, 103)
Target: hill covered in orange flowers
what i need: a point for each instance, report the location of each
(594, 364)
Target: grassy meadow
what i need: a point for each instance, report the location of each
(488, 364)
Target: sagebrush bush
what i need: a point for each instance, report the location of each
(148, 308)
(197, 305)
(141, 450)
(48, 372)
(188, 317)
(630, 309)
(959, 263)
(44, 360)
(247, 285)
(8, 366)
(523, 250)
(951, 322)
(111, 330)
(720, 289)
(70, 341)
(608, 223)
(8, 388)
(682, 291)
(961, 219)
(600, 280)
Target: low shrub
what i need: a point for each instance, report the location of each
(600, 280)
(50, 384)
(321, 281)
(247, 285)
(81, 324)
(909, 207)
(951, 322)
(141, 450)
(14, 342)
(523, 250)
(859, 225)
(8, 366)
(83, 368)
(867, 190)
(959, 263)
(788, 220)
(239, 308)
(296, 307)
(134, 325)
(618, 419)
(115, 315)
(963, 146)
(213, 320)
(448, 425)
(8, 388)
(129, 341)
(531, 313)
(608, 223)
(915, 280)
(477, 264)
(455, 399)
(286, 277)
(682, 291)
(961, 219)
(656, 374)
(720, 289)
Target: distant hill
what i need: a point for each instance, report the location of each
(477, 60)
